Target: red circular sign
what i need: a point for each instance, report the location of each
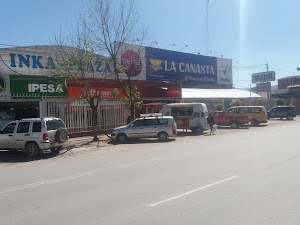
(132, 62)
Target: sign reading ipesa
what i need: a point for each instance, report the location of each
(36, 87)
(104, 92)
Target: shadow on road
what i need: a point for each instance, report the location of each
(141, 141)
(20, 156)
(229, 128)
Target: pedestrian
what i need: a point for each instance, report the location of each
(129, 120)
(211, 123)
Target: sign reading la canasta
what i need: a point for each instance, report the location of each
(178, 66)
(36, 87)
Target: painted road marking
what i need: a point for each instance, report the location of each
(193, 191)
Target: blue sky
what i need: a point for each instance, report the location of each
(251, 32)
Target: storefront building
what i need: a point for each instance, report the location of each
(289, 90)
(27, 84)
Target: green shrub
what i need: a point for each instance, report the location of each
(235, 102)
(219, 107)
(280, 101)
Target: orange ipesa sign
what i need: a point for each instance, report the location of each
(105, 92)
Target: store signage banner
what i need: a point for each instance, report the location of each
(263, 77)
(41, 61)
(36, 87)
(105, 93)
(224, 71)
(4, 86)
(165, 65)
(132, 58)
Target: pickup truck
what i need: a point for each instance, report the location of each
(228, 120)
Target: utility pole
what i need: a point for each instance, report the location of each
(268, 88)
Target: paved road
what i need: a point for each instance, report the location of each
(244, 176)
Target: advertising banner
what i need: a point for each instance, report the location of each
(224, 71)
(105, 93)
(165, 65)
(263, 77)
(262, 87)
(132, 58)
(41, 61)
(34, 87)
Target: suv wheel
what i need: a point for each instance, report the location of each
(234, 125)
(254, 123)
(121, 138)
(32, 149)
(290, 117)
(162, 136)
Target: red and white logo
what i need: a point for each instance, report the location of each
(132, 62)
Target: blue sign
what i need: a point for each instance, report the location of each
(165, 65)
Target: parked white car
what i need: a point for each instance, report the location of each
(34, 135)
(148, 126)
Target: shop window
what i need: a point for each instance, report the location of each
(23, 127)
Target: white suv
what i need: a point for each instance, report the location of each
(148, 126)
(34, 135)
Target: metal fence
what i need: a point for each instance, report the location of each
(78, 114)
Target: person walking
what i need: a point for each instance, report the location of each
(211, 123)
(128, 120)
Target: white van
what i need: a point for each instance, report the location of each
(191, 116)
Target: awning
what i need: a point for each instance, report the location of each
(193, 93)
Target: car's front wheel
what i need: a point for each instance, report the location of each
(290, 117)
(32, 149)
(234, 124)
(162, 136)
(122, 138)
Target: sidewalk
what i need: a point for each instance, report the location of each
(87, 142)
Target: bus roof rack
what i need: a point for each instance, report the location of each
(152, 115)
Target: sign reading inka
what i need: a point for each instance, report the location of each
(39, 60)
(34, 87)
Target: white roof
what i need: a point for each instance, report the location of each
(190, 93)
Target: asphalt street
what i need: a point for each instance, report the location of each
(238, 177)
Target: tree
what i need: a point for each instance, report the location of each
(235, 102)
(76, 57)
(111, 25)
(280, 101)
(219, 107)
